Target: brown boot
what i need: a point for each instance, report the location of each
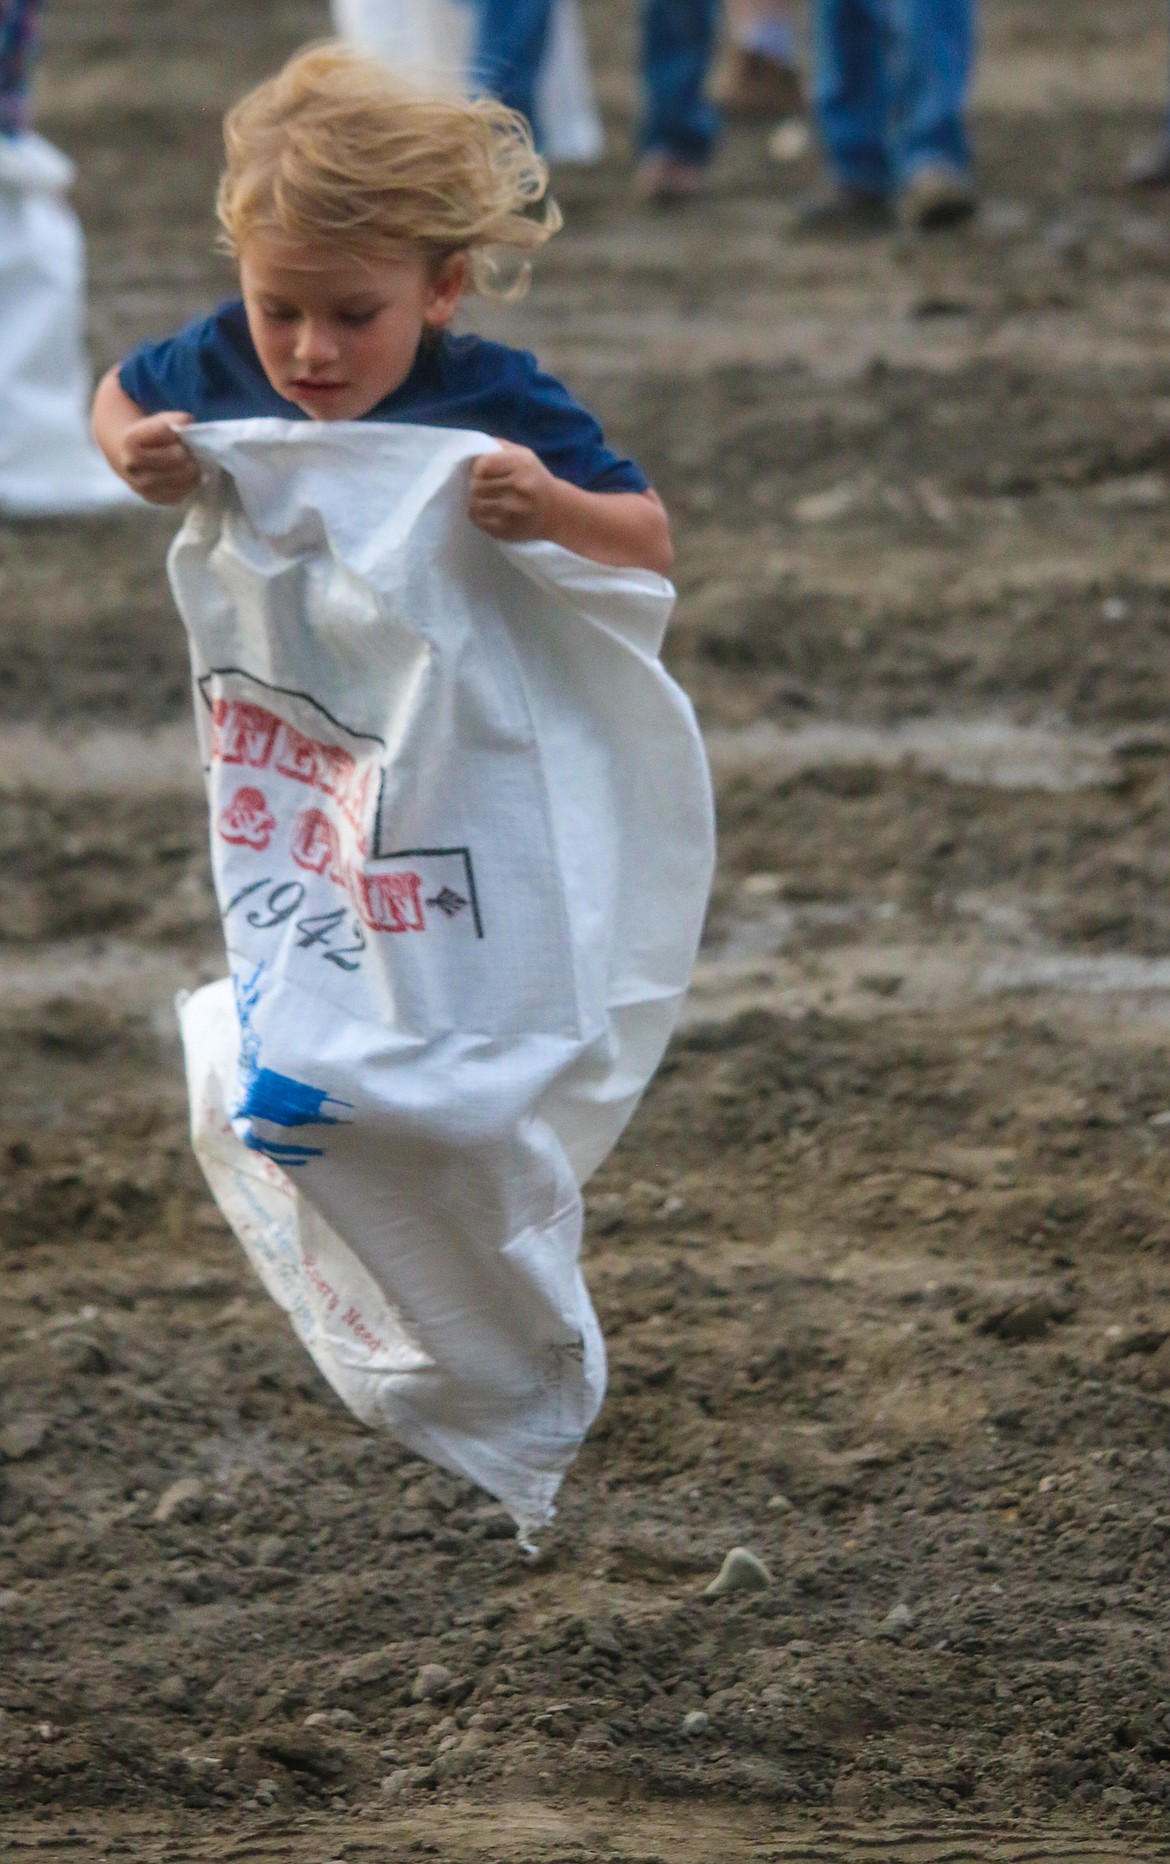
(750, 84)
(937, 198)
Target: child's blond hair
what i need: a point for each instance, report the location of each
(336, 151)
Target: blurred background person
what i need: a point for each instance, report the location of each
(890, 88)
(48, 462)
(534, 56)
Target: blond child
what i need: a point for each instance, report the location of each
(360, 210)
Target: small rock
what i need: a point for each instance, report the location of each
(696, 1722)
(23, 1437)
(789, 140)
(896, 1622)
(779, 1504)
(8, 1599)
(403, 1779)
(181, 1495)
(602, 1638)
(740, 1572)
(172, 1692)
(826, 507)
(333, 1718)
(432, 1682)
(269, 1550)
(373, 1666)
(80, 1352)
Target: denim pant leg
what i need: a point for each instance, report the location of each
(678, 41)
(19, 42)
(931, 77)
(851, 94)
(510, 38)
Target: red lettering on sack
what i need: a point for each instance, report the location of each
(318, 1282)
(389, 902)
(315, 845)
(242, 734)
(298, 757)
(247, 820)
(362, 1333)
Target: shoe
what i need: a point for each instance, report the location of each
(843, 213)
(937, 198)
(1150, 168)
(750, 84)
(664, 180)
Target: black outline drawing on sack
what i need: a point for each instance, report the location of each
(379, 853)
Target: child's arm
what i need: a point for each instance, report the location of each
(516, 498)
(143, 449)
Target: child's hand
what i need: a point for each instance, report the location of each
(151, 458)
(513, 495)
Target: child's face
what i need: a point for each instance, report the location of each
(334, 334)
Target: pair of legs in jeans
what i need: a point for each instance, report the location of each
(891, 88)
(678, 38)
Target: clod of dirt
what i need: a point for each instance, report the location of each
(1019, 1321)
(432, 1683)
(1144, 1340)
(181, 1498)
(172, 1692)
(23, 1437)
(696, 1723)
(741, 1572)
(896, 1622)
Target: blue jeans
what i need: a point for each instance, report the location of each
(890, 88)
(678, 40)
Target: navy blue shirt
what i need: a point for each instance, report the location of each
(210, 370)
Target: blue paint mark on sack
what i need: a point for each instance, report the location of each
(278, 1099)
(285, 1101)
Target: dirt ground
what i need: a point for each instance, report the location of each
(883, 1263)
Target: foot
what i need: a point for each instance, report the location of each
(1150, 168)
(843, 213)
(937, 198)
(662, 179)
(751, 84)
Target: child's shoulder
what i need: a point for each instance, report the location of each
(473, 361)
(209, 367)
(506, 393)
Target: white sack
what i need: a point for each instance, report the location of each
(48, 462)
(433, 39)
(462, 841)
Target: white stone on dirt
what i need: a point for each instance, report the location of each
(897, 1621)
(432, 1681)
(333, 1718)
(696, 1722)
(741, 1572)
(181, 1494)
